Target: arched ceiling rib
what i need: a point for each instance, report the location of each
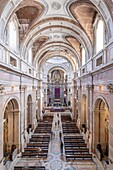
(58, 49)
(84, 12)
(50, 55)
(67, 25)
(49, 67)
(56, 30)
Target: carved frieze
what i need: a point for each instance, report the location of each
(89, 86)
(2, 88)
(23, 87)
(110, 87)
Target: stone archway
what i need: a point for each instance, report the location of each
(101, 131)
(11, 127)
(29, 111)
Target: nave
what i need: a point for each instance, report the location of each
(56, 144)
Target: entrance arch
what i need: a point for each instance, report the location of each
(101, 131)
(11, 127)
(29, 111)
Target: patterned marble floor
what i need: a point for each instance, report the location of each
(56, 160)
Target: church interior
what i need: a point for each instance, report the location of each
(56, 84)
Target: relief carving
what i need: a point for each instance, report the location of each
(110, 87)
(2, 88)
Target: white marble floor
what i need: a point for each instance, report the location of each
(56, 160)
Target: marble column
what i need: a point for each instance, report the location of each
(23, 116)
(17, 129)
(90, 115)
(10, 128)
(73, 102)
(1, 138)
(78, 101)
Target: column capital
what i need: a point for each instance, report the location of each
(34, 87)
(23, 87)
(89, 86)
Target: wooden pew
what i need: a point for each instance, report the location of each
(70, 131)
(41, 136)
(29, 168)
(73, 137)
(37, 140)
(37, 145)
(75, 145)
(34, 154)
(66, 118)
(77, 150)
(36, 149)
(79, 157)
(74, 142)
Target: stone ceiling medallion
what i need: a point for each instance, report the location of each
(56, 5)
(56, 36)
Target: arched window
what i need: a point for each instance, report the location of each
(30, 56)
(12, 36)
(100, 36)
(83, 56)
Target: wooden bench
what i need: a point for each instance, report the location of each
(40, 136)
(43, 127)
(37, 140)
(66, 118)
(37, 145)
(40, 140)
(29, 168)
(74, 142)
(75, 145)
(35, 149)
(34, 154)
(76, 151)
(71, 131)
(42, 130)
(79, 157)
(69, 126)
(73, 137)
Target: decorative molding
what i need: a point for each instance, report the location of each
(89, 87)
(23, 87)
(34, 87)
(56, 5)
(2, 88)
(110, 87)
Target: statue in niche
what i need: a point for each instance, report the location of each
(57, 75)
